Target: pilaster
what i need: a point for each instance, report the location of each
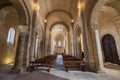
(99, 50)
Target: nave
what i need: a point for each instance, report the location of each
(64, 39)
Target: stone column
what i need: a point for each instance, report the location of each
(66, 43)
(75, 43)
(72, 43)
(41, 53)
(46, 42)
(117, 23)
(99, 50)
(32, 47)
(33, 35)
(36, 47)
(52, 45)
(19, 59)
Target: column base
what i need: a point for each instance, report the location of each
(101, 71)
(16, 71)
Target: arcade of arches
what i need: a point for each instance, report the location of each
(85, 29)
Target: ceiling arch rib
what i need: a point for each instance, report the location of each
(54, 11)
(63, 23)
(58, 17)
(21, 10)
(96, 10)
(107, 15)
(18, 7)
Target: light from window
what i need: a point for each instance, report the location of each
(59, 43)
(11, 36)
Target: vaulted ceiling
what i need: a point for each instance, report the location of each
(65, 11)
(69, 7)
(114, 3)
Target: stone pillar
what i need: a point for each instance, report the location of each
(46, 42)
(36, 47)
(99, 50)
(28, 47)
(117, 23)
(19, 59)
(33, 33)
(72, 43)
(87, 42)
(66, 43)
(32, 47)
(52, 45)
(75, 43)
(39, 49)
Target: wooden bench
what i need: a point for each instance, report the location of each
(41, 64)
(35, 65)
(70, 61)
(79, 64)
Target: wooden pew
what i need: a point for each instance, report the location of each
(79, 64)
(35, 65)
(46, 62)
(70, 61)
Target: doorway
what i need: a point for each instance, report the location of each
(110, 50)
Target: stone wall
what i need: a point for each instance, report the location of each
(10, 20)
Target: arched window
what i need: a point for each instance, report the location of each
(11, 36)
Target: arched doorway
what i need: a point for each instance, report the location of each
(110, 50)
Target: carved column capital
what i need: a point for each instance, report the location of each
(95, 26)
(23, 28)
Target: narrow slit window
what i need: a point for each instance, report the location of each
(11, 36)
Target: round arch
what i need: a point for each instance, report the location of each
(59, 23)
(109, 49)
(54, 11)
(21, 8)
(96, 10)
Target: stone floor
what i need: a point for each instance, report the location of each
(79, 75)
(57, 74)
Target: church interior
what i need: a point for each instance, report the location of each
(59, 39)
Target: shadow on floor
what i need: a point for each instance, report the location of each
(38, 75)
(112, 66)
